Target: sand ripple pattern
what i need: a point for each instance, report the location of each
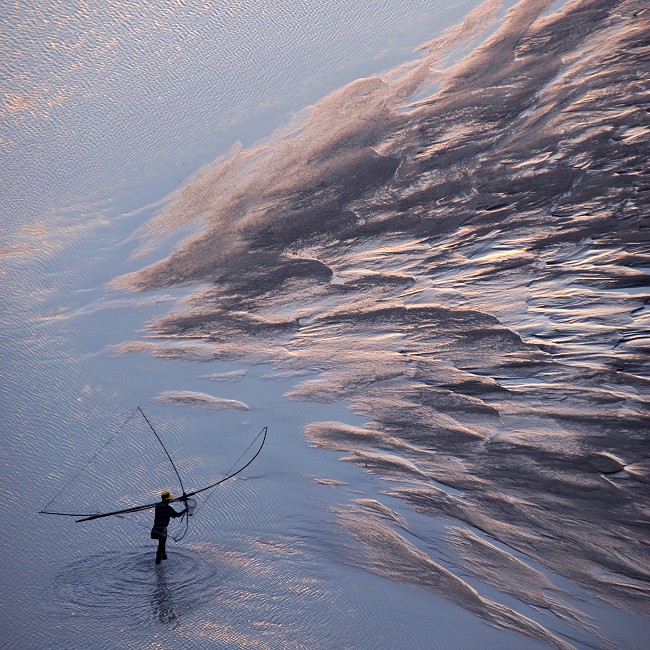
(469, 270)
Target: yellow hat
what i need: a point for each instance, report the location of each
(166, 496)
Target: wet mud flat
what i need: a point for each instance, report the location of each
(470, 271)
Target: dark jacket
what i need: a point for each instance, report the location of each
(164, 512)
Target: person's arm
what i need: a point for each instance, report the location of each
(178, 514)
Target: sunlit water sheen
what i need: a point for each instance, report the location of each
(448, 296)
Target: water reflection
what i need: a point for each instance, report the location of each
(162, 599)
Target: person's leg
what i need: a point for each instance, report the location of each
(161, 549)
(163, 542)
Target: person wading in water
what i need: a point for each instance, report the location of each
(163, 513)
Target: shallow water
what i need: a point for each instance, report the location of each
(413, 289)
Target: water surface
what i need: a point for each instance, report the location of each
(435, 274)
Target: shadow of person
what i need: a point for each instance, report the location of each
(162, 600)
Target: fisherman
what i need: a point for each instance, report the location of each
(164, 512)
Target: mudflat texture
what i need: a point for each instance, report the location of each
(469, 271)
